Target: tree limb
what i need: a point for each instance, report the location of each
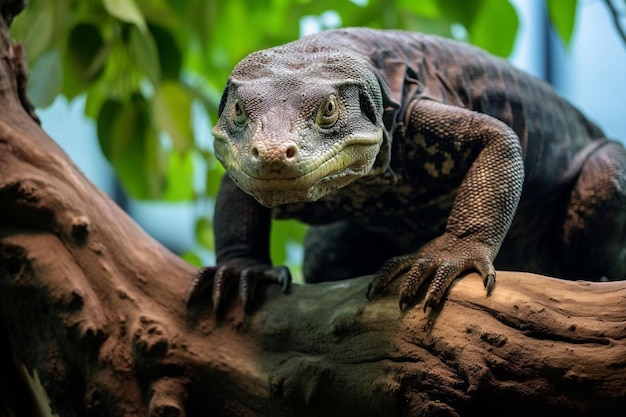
(615, 16)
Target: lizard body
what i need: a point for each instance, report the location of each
(409, 152)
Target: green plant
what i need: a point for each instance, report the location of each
(148, 67)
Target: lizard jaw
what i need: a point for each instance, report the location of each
(337, 170)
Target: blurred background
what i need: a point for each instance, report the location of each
(130, 88)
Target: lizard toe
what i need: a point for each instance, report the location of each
(388, 272)
(223, 280)
(201, 284)
(278, 275)
(488, 272)
(490, 283)
(444, 276)
(414, 279)
(251, 277)
(247, 286)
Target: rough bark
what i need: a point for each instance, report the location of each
(96, 309)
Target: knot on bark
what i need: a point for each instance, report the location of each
(150, 339)
(80, 229)
(12, 261)
(168, 396)
(25, 191)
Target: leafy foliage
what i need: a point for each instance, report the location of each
(563, 16)
(145, 65)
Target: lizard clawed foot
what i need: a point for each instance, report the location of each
(219, 280)
(443, 265)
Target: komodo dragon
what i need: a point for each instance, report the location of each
(408, 152)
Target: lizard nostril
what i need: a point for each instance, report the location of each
(291, 151)
(274, 154)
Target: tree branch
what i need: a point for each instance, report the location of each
(616, 20)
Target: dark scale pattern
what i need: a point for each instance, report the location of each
(483, 208)
(433, 158)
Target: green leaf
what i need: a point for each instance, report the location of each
(129, 150)
(164, 12)
(122, 75)
(46, 80)
(107, 117)
(132, 146)
(214, 178)
(495, 27)
(192, 258)
(318, 7)
(283, 233)
(86, 52)
(426, 25)
(126, 11)
(179, 176)
(96, 97)
(170, 55)
(204, 233)
(423, 8)
(154, 160)
(563, 17)
(142, 47)
(462, 11)
(34, 26)
(171, 109)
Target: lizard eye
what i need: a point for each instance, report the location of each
(328, 114)
(239, 114)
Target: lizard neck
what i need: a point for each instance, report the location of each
(382, 171)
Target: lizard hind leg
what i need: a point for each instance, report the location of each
(594, 230)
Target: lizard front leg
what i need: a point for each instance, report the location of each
(242, 229)
(482, 210)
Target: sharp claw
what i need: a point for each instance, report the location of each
(221, 284)
(369, 294)
(489, 282)
(220, 279)
(246, 291)
(200, 284)
(429, 301)
(404, 299)
(388, 272)
(283, 278)
(215, 300)
(375, 286)
(194, 289)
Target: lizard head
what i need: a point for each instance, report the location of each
(296, 125)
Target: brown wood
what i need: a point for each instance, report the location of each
(95, 307)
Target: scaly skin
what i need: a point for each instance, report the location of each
(409, 153)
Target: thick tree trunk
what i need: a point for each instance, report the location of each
(96, 310)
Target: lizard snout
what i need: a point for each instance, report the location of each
(274, 160)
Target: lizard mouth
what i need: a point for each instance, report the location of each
(336, 169)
